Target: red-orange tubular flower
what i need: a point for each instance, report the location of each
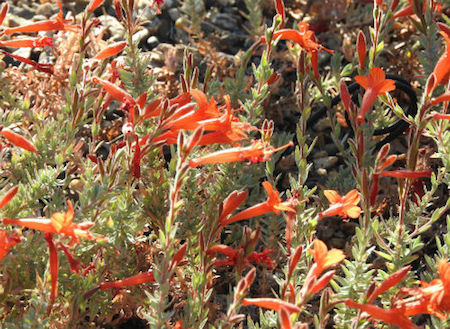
(432, 298)
(392, 316)
(390, 281)
(227, 128)
(236, 256)
(258, 151)
(272, 204)
(111, 50)
(145, 277)
(18, 140)
(232, 201)
(94, 4)
(3, 12)
(443, 98)
(47, 68)
(28, 42)
(441, 116)
(8, 196)
(7, 241)
(375, 84)
(58, 24)
(115, 91)
(272, 304)
(59, 223)
(407, 173)
(361, 48)
(53, 260)
(441, 71)
(408, 10)
(342, 206)
(203, 110)
(324, 258)
(304, 37)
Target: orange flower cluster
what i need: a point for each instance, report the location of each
(323, 259)
(342, 206)
(272, 204)
(375, 84)
(441, 71)
(408, 10)
(431, 298)
(304, 37)
(191, 111)
(235, 256)
(58, 24)
(221, 124)
(7, 241)
(59, 223)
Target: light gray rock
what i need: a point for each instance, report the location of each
(46, 9)
(152, 42)
(23, 52)
(174, 13)
(113, 26)
(140, 35)
(13, 20)
(322, 172)
(153, 25)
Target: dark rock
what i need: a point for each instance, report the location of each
(349, 228)
(225, 21)
(337, 243)
(24, 11)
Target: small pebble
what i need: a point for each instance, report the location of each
(327, 162)
(337, 243)
(140, 35)
(174, 13)
(45, 9)
(322, 172)
(320, 154)
(152, 42)
(349, 227)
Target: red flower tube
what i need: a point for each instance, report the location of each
(111, 50)
(53, 259)
(258, 151)
(94, 4)
(58, 24)
(273, 203)
(3, 12)
(29, 42)
(407, 173)
(134, 280)
(18, 140)
(8, 196)
(272, 304)
(115, 91)
(375, 84)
